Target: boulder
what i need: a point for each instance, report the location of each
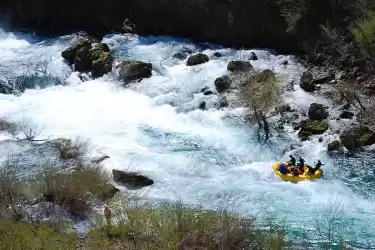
(238, 66)
(313, 127)
(131, 70)
(132, 179)
(283, 109)
(306, 82)
(208, 92)
(346, 115)
(323, 79)
(357, 137)
(82, 61)
(101, 59)
(317, 112)
(197, 59)
(202, 105)
(253, 56)
(222, 83)
(70, 53)
(223, 102)
(217, 55)
(333, 146)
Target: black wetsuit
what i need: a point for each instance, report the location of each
(292, 160)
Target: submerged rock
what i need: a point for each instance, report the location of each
(306, 82)
(132, 179)
(222, 83)
(317, 112)
(253, 56)
(238, 66)
(346, 115)
(333, 146)
(223, 102)
(180, 56)
(283, 108)
(313, 127)
(217, 55)
(131, 70)
(357, 137)
(202, 105)
(197, 59)
(208, 92)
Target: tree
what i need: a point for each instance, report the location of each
(260, 93)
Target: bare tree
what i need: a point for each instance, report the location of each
(260, 93)
(329, 222)
(30, 128)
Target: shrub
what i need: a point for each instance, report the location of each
(72, 149)
(30, 128)
(20, 235)
(8, 126)
(364, 31)
(75, 190)
(179, 227)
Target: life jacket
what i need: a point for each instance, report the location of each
(283, 169)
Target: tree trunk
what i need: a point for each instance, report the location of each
(266, 127)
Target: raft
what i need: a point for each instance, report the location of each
(289, 177)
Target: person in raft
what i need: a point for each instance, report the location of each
(300, 168)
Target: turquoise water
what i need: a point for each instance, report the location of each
(211, 158)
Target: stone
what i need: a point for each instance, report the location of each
(131, 70)
(217, 55)
(266, 74)
(333, 146)
(313, 127)
(223, 102)
(354, 138)
(208, 92)
(283, 108)
(285, 62)
(134, 180)
(70, 53)
(253, 56)
(202, 105)
(239, 66)
(317, 112)
(82, 61)
(306, 82)
(323, 79)
(223, 83)
(197, 59)
(346, 115)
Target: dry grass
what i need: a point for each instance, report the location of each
(72, 149)
(8, 126)
(77, 189)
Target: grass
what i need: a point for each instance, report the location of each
(72, 149)
(175, 226)
(75, 190)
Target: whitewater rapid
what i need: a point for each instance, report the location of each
(211, 157)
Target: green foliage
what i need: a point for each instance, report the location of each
(77, 189)
(178, 227)
(364, 31)
(20, 235)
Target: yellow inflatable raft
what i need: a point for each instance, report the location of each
(290, 177)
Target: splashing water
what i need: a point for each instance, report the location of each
(211, 157)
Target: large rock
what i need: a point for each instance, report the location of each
(306, 82)
(317, 112)
(70, 53)
(357, 137)
(311, 127)
(82, 61)
(222, 83)
(131, 70)
(101, 60)
(333, 146)
(197, 59)
(238, 66)
(346, 114)
(132, 179)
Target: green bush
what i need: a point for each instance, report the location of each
(364, 31)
